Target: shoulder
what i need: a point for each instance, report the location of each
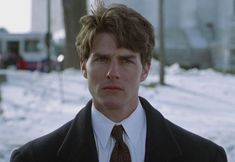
(189, 139)
(46, 148)
(191, 146)
(194, 145)
(180, 134)
(46, 145)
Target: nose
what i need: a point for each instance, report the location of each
(113, 71)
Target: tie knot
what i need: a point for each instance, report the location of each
(117, 133)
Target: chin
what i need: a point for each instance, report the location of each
(112, 104)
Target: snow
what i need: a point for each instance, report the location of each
(35, 103)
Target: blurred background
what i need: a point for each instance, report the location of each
(197, 33)
(191, 81)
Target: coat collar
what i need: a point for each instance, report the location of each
(161, 144)
(79, 143)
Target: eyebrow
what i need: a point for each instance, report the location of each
(126, 56)
(99, 54)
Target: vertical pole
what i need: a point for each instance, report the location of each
(1, 110)
(48, 35)
(60, 60)
(61, 86)
(162, 42)
(2, 80)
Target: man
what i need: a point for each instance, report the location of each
(115, 46)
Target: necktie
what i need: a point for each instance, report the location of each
(120, 151)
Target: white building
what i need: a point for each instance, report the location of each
(198, 33)
(39, 16)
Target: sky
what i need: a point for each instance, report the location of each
(35, 104)
(15, 15)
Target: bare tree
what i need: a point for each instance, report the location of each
(73, 10)
(162, 42)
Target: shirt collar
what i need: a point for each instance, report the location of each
(133, 125)
(102, 126)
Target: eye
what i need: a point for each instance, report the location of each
(101, 59)
(127, 61)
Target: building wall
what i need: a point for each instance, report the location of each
(193, 28)
(39, 16)
(221, 16)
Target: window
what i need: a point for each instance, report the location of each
(31, 45)
(232, 57)
(13, 47)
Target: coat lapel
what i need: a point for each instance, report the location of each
(79, 144)
(161, 145)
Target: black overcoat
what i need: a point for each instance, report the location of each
(165, 142)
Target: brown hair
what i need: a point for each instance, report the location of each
(131, 30)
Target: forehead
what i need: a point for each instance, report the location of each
(104, 40)
(106, 44)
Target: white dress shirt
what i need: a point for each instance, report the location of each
(134, 135)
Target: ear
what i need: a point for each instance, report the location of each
(83, 69)
(145, 71)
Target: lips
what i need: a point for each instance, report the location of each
(113, 88)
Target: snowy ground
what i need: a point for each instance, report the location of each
(200, 101)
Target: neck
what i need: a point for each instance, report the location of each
(117, 114)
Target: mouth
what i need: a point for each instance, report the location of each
(113, 88)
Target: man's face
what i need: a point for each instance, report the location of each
(113, 75)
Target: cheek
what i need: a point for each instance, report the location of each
(94, 74)
(133, 77)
